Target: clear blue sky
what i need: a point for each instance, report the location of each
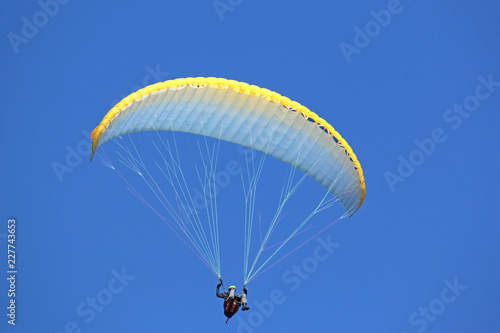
(413, 86)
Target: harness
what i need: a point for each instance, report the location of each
(231, 308)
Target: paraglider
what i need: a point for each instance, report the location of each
(247, 116)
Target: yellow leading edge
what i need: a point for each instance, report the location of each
(238, 87)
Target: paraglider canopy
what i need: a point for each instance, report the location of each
(247, 115)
